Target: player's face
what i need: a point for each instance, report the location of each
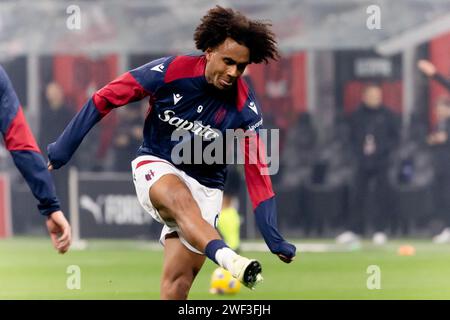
(226, 63)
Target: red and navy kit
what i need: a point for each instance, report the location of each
(181, 99)
(21, 144)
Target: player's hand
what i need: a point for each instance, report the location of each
(49, 166)
(285, 251)
(59, 230)
(427, 67)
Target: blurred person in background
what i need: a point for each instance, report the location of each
(55, 115)
(440, 143)
(296, 163)
(128, 138)
(374, 133)
(55, 112)
(20, 142)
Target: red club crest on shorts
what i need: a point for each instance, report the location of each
(149, 175)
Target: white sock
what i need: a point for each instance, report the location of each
(224, 257)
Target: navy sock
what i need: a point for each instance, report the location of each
(212, 247)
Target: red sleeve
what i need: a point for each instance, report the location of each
(19, 136)
(119, 92)
(256, 172)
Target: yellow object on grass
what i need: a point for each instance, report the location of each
(229, 227)
(222, 282)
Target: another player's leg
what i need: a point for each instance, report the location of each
(180, 267)
(174, 202)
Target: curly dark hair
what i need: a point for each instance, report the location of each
(220, 23)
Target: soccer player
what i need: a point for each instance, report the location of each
(27, 157)
(200, 95)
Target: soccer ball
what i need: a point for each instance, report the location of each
(222, 282)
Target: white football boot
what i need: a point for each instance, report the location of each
(247, 271)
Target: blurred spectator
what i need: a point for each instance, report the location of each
(325, 192)
(55, 115)
(296, 161)
(298, 155)
(374, 133)
(440, 143)
(128, 137)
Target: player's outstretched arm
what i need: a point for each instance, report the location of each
(129, 87)
(31, 164)
(263, 199)
(28, 159)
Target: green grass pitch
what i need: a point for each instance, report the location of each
(31, 269)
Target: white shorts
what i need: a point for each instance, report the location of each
(149, 169)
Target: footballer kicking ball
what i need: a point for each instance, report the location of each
(222, 282)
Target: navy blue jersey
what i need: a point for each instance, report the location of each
(180, 99)
(183, 100)
(26, 154)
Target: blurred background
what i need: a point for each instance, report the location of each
(359, 154)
